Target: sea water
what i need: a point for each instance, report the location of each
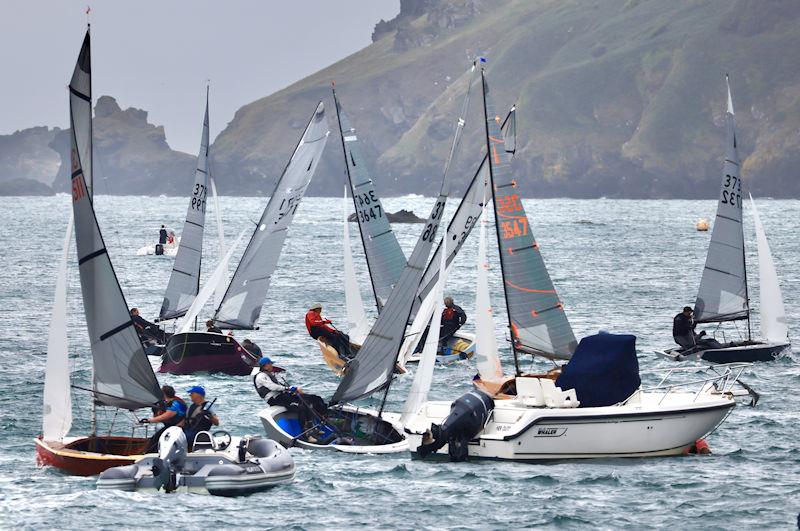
(622, 266)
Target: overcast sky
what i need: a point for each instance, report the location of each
(157, 54)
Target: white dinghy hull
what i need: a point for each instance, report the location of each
(516, 432)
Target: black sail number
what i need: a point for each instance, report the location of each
(732, 195)
(199, 198)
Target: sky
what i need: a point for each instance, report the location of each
(156, 55)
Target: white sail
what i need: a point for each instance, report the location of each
(421, 385)
(210, 287)
(773, 313)
(223, 282)
(357, 324)
(420, 322)
(57, 417)
(486, 358)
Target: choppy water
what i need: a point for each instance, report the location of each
(619, 265)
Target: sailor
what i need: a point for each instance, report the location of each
(318, 327)
(210, 327)
(453, 318)
(171, 411)
(199, 416)
(147, 331)
(683, 328)
(162, 235)
(252, 348)
(278, 393)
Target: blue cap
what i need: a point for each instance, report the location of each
(197, 389)
(263, 361)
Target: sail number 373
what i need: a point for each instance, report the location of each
(732, 192)
(199, 198)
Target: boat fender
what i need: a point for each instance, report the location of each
(468, 415)
(226, 470)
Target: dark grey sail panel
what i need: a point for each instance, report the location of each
(123, 376)
(536, 316)
(247, 290)
(385, 258)
(722, 295)
(80, 105)
(184, 281)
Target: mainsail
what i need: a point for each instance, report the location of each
(80, 110)
(385, 258)
(723, 287)
(184, 282)
(536, 316)
(123, 376)
(241, 305)
(772, 311)
(57, 414)
(357, 324)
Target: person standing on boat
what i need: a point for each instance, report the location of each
(171, 411)
(162, 235)
(277, 393)
(319, 327)
(210, 327)
(683, 328)
(453, 318)
(199, 416)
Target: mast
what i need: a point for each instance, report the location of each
(378, 304)
(490, 155)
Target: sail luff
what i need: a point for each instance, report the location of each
(357, 324)
(771, 309)
(243, 300)
(385, 257)
(57, 403)
(487, 360)
(722, 295)
(536, 316)
(184, 281)
(80, 107)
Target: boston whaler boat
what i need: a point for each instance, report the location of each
(122, 376)
(351, 428)
(218, 464)
(239, 309)
(723, 294)
(596, 407)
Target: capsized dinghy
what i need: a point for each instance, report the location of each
(723, 293)
(218, 464)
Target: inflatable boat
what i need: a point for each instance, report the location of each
(217, 465)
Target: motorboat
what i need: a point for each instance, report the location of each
(218, 464)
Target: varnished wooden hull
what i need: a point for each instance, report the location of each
(73, 456)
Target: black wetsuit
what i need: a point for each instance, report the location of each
(162, 236)
(683, 330)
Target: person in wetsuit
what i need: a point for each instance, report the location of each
(453, 318)
(211, 327)
(199, 416)
(317, 327)
(683, 329)
(252, 348)
(148, 332)
(162, 235)
(171, 411)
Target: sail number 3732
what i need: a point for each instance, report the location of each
(732, 191)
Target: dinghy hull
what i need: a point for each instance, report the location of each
(73, 455)
(461, 346)
(519, 433)
(734, 353)
(282, 426)
(191, 352)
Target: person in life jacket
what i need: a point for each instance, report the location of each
(318, 326)
(278, 393)
(162, 235)
(171, 411)
(199, 416)
(453, 318)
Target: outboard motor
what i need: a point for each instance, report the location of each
(172, 450)
(468, 416)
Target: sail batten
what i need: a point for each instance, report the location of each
(184, 281)
(241, 305)
(123, 377)
(722, 295)
(536, 317)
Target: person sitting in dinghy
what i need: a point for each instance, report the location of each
(199, 416)
(211, 328)
(148, 332)
(252, 348)
(277, 392)
(453, 318)
(319, 327)
(171, 411)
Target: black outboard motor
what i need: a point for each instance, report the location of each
(159, 249)
(468, 416)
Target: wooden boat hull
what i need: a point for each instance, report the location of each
(461, 346)
(191, 352)
(743, 352)
(73, 456)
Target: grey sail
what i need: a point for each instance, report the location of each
(723, 287)
(184, 281)
(247, 290)
(122, 375)
(536, 316)
(385, 258)
(80, 108)
(464, 219)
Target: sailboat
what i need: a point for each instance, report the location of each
(535, 417)
(190, 351)
(723, 294)
(351, 428)
(122, 376)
